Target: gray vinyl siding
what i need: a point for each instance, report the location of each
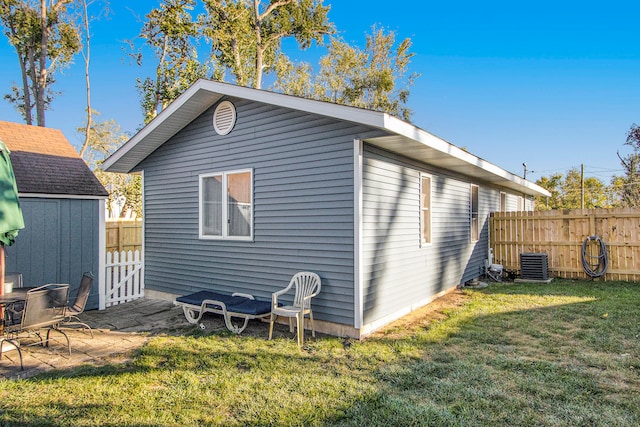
(303, 215)
(398, 271)
(529, 203)
(513, 203)
(303, 207)
(58, 244)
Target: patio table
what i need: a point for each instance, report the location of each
(18, 294)
(8, 300)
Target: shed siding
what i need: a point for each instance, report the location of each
(303, 207)
(397, 271)
(58, 244)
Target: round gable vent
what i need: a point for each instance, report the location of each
(224, 118)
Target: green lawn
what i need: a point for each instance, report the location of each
(562, 354)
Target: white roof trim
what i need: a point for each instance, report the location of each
(406, 139)
(485, 168)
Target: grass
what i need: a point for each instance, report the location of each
(566, 353)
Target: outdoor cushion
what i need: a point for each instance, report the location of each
(242, 306)
(249, 306)
(198, 297)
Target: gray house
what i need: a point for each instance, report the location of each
(243, 188)
(63, 205)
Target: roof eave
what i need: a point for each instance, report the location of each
(205, 93)
(193, 102)
(413, 142)
(426, 147)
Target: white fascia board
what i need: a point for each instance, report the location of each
(219, 89)
(400, 127)
(154, 125)
(215, 90)
(343, 112)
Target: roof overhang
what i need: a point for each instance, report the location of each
(404, 138)
(415, 143)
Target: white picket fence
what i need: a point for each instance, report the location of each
(124, 279)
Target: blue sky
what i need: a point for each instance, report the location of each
(555, 84)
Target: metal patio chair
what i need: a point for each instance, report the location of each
(44, 309)
(307, 286)
(71, 319)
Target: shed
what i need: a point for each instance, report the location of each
(245, 187)
(63, 205)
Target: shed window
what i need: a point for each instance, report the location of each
(475, 229)
(503, 202)
(425, 209)
(226, 205)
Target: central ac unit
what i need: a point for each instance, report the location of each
(534, 266)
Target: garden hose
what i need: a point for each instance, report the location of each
(595, 265)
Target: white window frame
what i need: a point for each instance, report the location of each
(225, 206)
(426, 240)
(476, 237)
(503, 202)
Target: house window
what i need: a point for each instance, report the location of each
(503, 202)
(425, 209)
(520, 203)
(475, 229)
(226, 205)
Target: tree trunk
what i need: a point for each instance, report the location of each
(25, 88)
(87, 58)
(23, 60)
(240, 79)
(257, 83)
(41, 78)
(33, 75)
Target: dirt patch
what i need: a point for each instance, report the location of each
(423, 317)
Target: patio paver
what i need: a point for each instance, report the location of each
(117, 332)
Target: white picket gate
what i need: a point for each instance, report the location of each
(124, 279)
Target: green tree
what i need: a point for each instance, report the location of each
(594, 191)
(85, 21)
(628, 186)
(374, 78)
(46, 37)
(246, 40)
(552, 184)
(105, 137)
(171, 33)
(377, 79)
(246, 36)
(567, 192)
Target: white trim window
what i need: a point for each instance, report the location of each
(226, 205)
(425, 209)
(475, 219)
(503, 201)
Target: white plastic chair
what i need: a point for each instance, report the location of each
(307, 286)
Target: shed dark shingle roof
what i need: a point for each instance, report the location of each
(44, 162)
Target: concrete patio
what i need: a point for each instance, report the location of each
(117, 332)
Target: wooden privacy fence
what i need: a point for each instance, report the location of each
(124, 235)
(560, 234)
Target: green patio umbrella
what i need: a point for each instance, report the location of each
(10, 213)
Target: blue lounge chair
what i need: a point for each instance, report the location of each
(239, 305)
